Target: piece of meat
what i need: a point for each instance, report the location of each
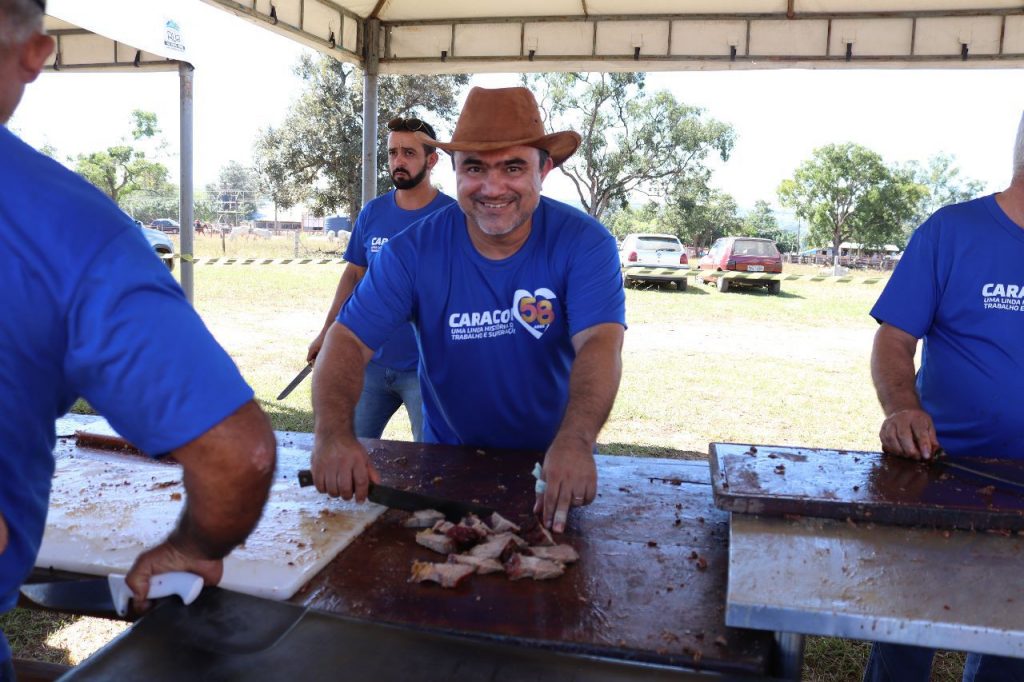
(520, 566)
(480, 565)
(499, 524)
(424, 518)
(564, 554)
(464, 537)
(435, 541)
(495, 546)
(473, 521)
(536, 535)
(442, 526)
(446, 575)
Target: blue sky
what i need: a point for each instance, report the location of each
(780, 115)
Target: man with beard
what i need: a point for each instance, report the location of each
(390, 379)
(518, 307)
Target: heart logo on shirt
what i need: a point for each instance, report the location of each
(536, 311)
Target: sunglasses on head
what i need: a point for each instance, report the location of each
(410, 125)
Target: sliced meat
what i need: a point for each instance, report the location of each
(446, 575)
(537, 535)
(521, 566)
(499, 524)
(479, 564)
(473, 521)
(495, 546)
(424, 518)
(442, 526)
(464, 537)
(435, 541)
(561, 553)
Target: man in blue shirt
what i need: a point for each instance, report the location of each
(89, 311)
(518, 309)
(959, 287)
(390, 378)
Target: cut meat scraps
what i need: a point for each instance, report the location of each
(561, 553)
(424, 518)
(480, 565)
(446, 575)
(441, 544)
(520, 566)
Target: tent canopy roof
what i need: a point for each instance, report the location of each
(453, 36)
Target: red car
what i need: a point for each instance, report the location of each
(741, 254)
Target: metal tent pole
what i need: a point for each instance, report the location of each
(185, 207)
(371, 68)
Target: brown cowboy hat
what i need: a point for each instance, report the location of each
(496, 118)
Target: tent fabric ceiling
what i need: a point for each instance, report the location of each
(81, 50)
(453, 36)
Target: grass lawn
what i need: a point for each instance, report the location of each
(699, 366)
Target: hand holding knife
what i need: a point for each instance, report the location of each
(303, 373)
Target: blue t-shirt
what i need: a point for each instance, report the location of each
(495, 336)
(89, 310)
(380, 220)
(960, 287)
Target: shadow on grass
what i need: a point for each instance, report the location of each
(761, 291)
(284, 417)
(634, 450)
(27, 631)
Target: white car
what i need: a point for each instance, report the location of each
(653, 258)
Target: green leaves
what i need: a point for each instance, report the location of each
(633, 141)
(317, 152)
(847, 193)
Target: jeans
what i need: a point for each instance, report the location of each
(901, 663)
(384, 391)
(6, 671)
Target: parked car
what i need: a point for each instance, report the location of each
(161, 243)
(653, 258)
(741, 254)
(166, 225)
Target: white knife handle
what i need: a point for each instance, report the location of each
(185, 585)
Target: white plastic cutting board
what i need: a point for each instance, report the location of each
(105, 508)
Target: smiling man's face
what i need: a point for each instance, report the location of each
(499, 190)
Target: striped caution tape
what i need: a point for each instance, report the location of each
(669, 273)
(261, 261)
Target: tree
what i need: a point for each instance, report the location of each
(632, 141)
(122, 169)
(235, 194)
(628, 220)
(762, 223)
(319, 145)
(846, 193)
(699, 214)
(943, 183)
(272, 172)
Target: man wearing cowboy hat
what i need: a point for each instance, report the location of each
(518, 309)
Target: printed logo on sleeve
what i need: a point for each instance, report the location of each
(996, 296)
(534, 312)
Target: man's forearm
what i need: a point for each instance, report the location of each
(227, 474)
(593, 383)
(337, 383)
(892, 370)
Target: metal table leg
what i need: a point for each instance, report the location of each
(789, 655)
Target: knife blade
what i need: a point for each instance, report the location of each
(303, 373)
(393, 498)
(110, 595)
(983, 474)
